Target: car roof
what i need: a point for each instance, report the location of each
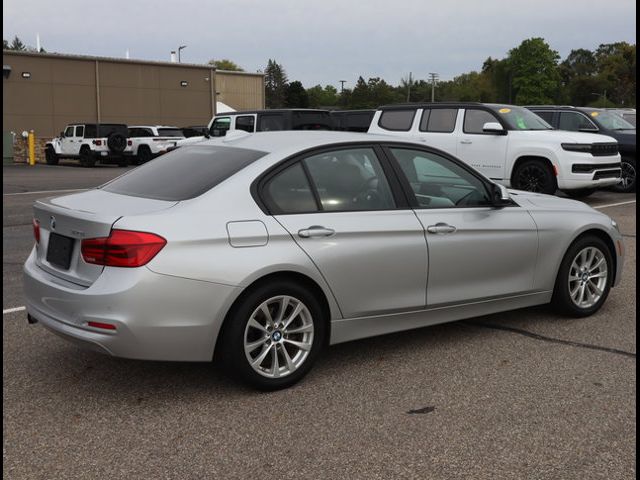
(296, 139)
(410, 106)
(152, 126)
(275, 110)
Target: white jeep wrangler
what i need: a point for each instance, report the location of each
(91, 143)
(150, 141)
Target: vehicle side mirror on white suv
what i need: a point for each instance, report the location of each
(494, 127)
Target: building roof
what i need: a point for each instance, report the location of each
(66, 56)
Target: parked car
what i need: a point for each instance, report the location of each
(352, 120)
(91, 143)
(597, 120)
(276, 244)
(265, 121)
(508, 144)
(151, 141)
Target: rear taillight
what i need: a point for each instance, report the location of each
(129, 142)
(122, 248)
(97, 142)
(36, 230)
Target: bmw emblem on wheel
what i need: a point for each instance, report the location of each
(52, 222)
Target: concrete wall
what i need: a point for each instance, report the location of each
(63, 89)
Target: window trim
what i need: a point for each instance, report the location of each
(258, 186)
(464, 118)
(406, 185)
(413, 118)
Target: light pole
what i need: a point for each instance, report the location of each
(342, 82)
(181, 47)
(434, 79)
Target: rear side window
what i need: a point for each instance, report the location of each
(397, 120)
(268, 123)
(474, 120)
(170, 132)
(289, 192)
(184, 173)
(246, 123)
(80, 131)
(90, 131)
(311, 121)
(439, 120)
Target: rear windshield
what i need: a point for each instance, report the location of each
(184, 173)
(170, 132)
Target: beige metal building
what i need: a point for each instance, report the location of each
(43, 92)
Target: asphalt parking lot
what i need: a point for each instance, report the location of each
(523, 394)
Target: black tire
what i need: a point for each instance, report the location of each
(144, 154)
(535, 176)
(628, 184)
(123, 162)
(50, 156)
(580, 193)
(117, 142)
(562, 299)
(86, 158)
(232, 341)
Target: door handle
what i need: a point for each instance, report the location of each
(441, 228)
(315, 231)
(466, 142)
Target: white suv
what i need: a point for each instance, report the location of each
(508, 144)
(91, 143)
(149, 141)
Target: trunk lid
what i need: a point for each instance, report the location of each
(89, 214)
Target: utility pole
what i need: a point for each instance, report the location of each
(181, 47)
(434, 79)
(409, 89)
(342, 82)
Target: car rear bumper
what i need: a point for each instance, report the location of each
(156, 317)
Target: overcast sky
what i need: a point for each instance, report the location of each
(321, 42)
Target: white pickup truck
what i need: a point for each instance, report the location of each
(508, 144)
(150, 141)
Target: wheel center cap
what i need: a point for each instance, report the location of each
(276, 336)
(585, 277)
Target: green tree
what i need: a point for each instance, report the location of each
(226, 64)
(360, 96)
(275, 85)
(535, 77)
(296, 96)
(322, 97)
(616, 63)
(17, 44)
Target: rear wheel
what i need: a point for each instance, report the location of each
(144, 154)
(273, 335)
(628, 183)
(86, 158)
(50, 156)
(535, 176)
(585, 277)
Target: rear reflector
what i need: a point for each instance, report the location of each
(105, 326)
(98, 142)
(122, 248)
(36, 230)
(129, 142)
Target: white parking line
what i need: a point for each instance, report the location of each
(614, 204)
(45, 191)
(12, 310)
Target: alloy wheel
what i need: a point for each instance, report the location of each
(588, 277)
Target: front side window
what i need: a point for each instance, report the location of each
(220, 126)
(546, 115)
(439, 120)
(575, 122)
(437, 182)
(397, 120)
(68, 132)
(350, 180)
(246, 123)
(289, 192)
(474, 121)
(80, 131)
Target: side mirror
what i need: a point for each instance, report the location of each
(61, 134)
(500, 196)
(494, 128)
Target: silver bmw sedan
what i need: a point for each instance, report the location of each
(261, 249)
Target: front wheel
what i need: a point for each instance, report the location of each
(273, 335)
(535, 176)
(585, 277)
(86, 158)
(628, 182)
(50, 156)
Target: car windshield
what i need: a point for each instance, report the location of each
(519, 118)
(610, 121)
(184, 173)
(170, 132)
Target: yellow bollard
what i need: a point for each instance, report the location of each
(31, 141)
